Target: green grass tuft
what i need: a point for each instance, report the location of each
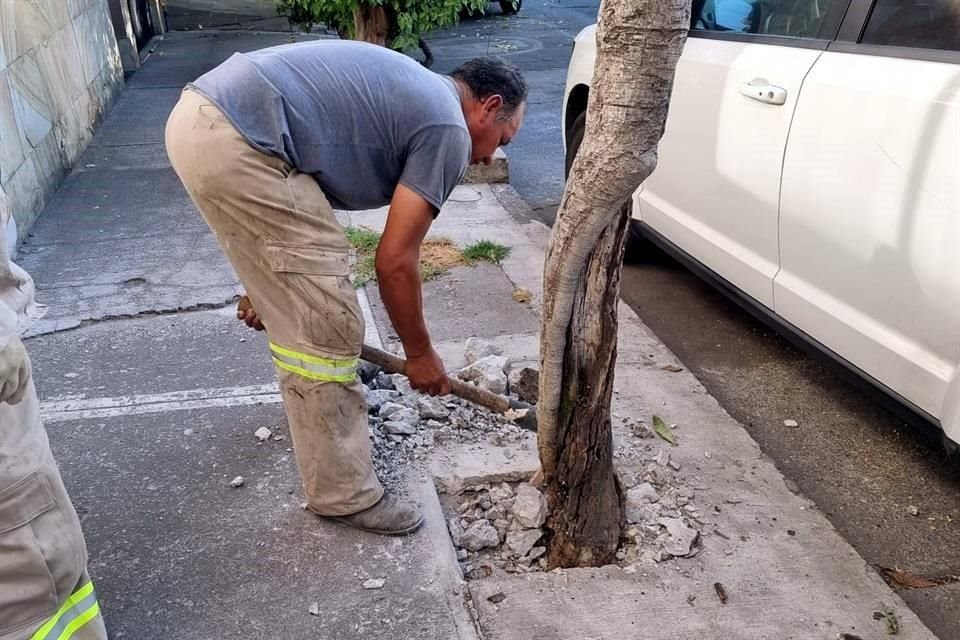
(438, 255)
(362, 239)
(430, 271)
(364, 270)
(364, 242)
(486, 250)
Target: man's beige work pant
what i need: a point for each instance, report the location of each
(281, 235)
(45, 593)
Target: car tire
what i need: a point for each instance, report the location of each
(510, 7)
(638, 246)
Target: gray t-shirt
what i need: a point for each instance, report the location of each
(360, 118)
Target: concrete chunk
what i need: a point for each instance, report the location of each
(432, 408)
(682, 537)
(530, 507)
(477, 349)
(378, 397)
(397, 428)
(480, 535)
(487, 373)
(521, 542)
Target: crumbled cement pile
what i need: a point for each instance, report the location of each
(663, 520)
(663, 523)
(499, 527)
(405, 425)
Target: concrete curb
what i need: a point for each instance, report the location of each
(456, 593)
(497, 172)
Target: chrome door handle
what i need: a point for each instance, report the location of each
(762, 91)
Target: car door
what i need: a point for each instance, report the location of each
(870, 210)
(715, 192)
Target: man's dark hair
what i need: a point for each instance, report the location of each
(490, 76)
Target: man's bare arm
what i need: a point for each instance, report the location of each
(398, 277)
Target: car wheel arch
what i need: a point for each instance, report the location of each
(576, 105)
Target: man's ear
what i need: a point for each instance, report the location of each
(491, 106)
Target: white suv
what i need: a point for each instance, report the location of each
(811, 167)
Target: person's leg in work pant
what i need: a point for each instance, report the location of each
(290, 253)
(45, 593)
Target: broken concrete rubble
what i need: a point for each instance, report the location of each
(404, 425)
(521, 542)
(477, 349)
(432, 408)
(387, 409)
(487, 373)
(480, 535)
(376, 398)
(397, 428)
(643, 493)
(530, 507)
(681, 536)
(405, 415)
(385, 381)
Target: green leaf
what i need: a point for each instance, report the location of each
(664, 431)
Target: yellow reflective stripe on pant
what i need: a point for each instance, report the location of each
(314, 367)
(79, 609)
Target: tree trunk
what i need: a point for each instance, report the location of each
(638, 45)
(372, 24)
(427, 52)
(586, 498)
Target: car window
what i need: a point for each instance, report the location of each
(790, 18)
(925, 24)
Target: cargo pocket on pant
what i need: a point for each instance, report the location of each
(324, 301)
(28, 593)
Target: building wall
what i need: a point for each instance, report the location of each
(59, 73)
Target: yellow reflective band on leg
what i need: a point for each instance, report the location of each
(306, 357)
(314, 367)
(79, 609)
(80, 620)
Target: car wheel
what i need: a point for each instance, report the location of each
(637, 244)
(510, 7)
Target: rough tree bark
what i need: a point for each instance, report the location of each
(638, 45)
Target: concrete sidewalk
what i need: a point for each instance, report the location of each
(152, 393)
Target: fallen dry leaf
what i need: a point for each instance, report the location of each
(898, 578)
(662, 430)
(672, 368)
(522, 295)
